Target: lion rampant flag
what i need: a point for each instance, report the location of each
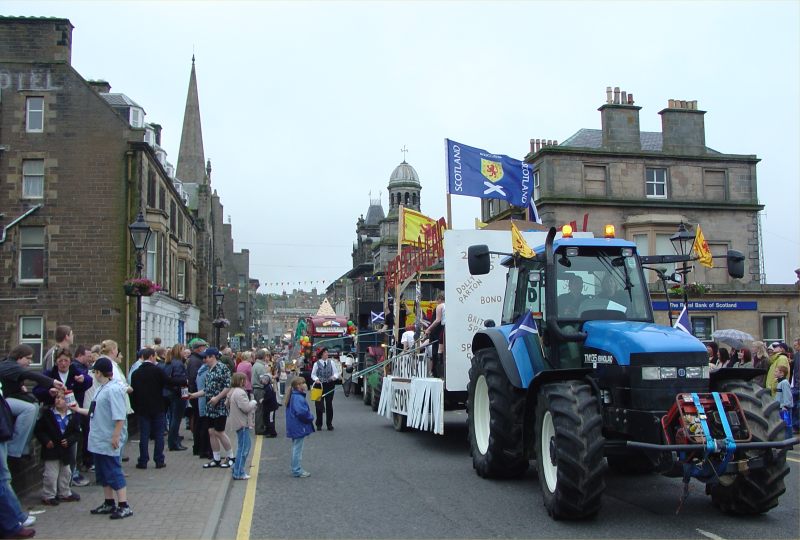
(412, 227)
(701, 249)
(519, 244)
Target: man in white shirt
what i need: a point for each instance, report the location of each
(407, 339)
(324, 372)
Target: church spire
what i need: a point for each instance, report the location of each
(191, 159)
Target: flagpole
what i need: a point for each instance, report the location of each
(401, 231)
(447, 186)
(449, 213)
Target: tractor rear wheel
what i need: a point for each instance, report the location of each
(399, 422)
(496, 416)
(758, 490)
(569, 450)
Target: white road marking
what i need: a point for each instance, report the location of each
(707, 534)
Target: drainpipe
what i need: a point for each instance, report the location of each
(20, 218)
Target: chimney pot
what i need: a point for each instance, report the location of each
(555, 143)
(533, 149)
(624, 97)
(616, 95)
(630, 99)
(694, 105)
(608, 94)
(671, 104)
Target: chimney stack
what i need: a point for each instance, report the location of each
(620, 121)
(101, 87)
(157, 131)
(683, 128)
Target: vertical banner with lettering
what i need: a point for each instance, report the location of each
(470, 300)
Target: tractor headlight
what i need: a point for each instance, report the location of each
(655, 373)
(650, 373)
(669, 372)
(697, 372)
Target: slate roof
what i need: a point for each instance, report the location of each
(375, 214)
(120, 100)
(652, 141)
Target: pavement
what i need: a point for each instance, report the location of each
(180, 501)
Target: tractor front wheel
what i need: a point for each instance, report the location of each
(569, 450)
(496, 416)
(757, 490)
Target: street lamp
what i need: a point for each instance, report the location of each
(140, 235)
(682, 242)
(218, 297)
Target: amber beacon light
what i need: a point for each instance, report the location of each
(609, 231)
(566, 231)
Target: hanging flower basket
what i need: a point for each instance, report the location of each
(220, 323)
(140, 287)
(693, 290)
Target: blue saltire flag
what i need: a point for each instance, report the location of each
(376, 317)
(683, 322)
(526, 325)
(477, 173)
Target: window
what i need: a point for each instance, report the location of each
(173, 208)
(536, 184)
(151, 189)
(150, 262)
(31, 334)
(136, 117)
(34, 117)
(656, 183)
(594, 180)
(180, 226)
(242, 310)
(702, 327)
(33, 179)
(31, 254)
(772, 328)
(162, 198)
(714, 185)
(181, 285)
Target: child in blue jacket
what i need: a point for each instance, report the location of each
(299, 423)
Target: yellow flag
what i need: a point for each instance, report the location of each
(412, 227)
(701, 249)
(519, 244)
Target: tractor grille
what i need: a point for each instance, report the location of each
(659, 395)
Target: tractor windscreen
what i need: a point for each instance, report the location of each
(600, 283)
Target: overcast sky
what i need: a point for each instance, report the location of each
(306, 105)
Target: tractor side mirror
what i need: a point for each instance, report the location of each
(735, 264)
(478, 260)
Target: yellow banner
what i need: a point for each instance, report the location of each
(519, 244)
(412, 227)
(701, 249)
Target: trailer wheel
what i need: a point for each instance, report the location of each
(365, 394)
(496, 413)
(569, 450)
(374, 398)
(400, 422)
(758, 490)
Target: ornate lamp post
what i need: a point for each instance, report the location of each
(140, 234)
(219, 296)
(682, 242)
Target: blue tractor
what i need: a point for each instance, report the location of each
(591, 382)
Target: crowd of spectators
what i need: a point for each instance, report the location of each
(79, 401)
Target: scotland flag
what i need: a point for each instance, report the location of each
(683, 322)
(478, 173)
(526, 325)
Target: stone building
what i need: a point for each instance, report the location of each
(647, 184)
(361, 290)
(78, 164)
